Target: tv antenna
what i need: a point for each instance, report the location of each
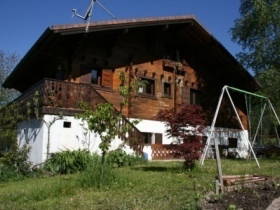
(89, 12)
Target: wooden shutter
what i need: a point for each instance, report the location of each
(107, 78)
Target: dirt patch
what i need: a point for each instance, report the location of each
(258, 197)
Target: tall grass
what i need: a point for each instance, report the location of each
(92, 171)
(97, 175)
(67, 162)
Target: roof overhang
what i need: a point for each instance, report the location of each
(75, 29)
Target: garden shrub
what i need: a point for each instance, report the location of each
(18, 160)
(118, 158)
(67, 162)
(15, 164)
(8, 173)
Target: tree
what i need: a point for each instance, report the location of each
(11, 115)
(186, 125)
(128, 89)
(270, 80)
(7, 119)
(104, 121)
(49, 125)
(258, 32)
(109, 123)
(7, 63)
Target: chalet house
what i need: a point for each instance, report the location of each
(180, 62)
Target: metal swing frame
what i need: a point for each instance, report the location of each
(226, 89)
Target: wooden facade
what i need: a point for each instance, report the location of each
(181, 62)
(57, 97)
(147, 105)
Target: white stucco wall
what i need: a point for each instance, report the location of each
(31, 133)
(221, 134)
(35, 134)
(153, 126)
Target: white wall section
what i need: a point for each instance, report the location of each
(35, 134)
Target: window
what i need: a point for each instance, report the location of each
(232, 142)
(148, 87)
(166, 89)
(195, 97)
(95, 76)
(158, 138)
(148, 138)
(66, 124)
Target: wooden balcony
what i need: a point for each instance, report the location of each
(60, 97)
(57, 96)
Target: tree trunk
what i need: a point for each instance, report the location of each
(103, 158)
(48, 143)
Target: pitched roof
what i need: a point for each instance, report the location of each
(76, 29)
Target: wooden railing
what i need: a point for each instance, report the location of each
(68, 95)
(57, 97)
(166, 152)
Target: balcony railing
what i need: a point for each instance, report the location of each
(55, 97)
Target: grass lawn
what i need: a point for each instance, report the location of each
(155, 185)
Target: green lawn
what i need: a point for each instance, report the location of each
(155, 185)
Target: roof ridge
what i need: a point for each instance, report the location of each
(124, 21)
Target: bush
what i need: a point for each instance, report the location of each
(18, 160)
(118, 158)
(8, 173)
(15, 164)
(67, 162)
(98, 175)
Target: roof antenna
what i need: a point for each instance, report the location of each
(89, 12)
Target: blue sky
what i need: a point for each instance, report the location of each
(23, 21)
